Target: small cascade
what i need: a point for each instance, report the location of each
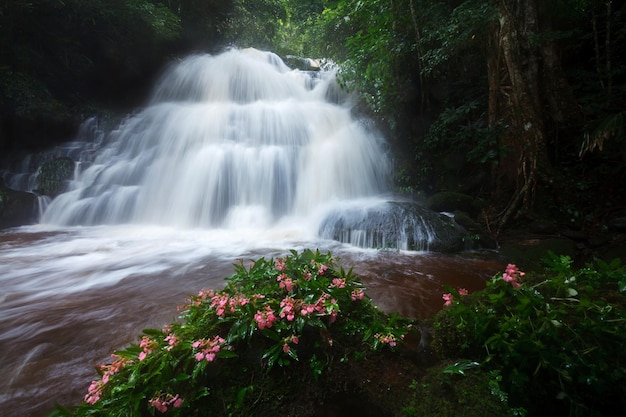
(21, 172)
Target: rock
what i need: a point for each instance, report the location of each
(303, 64)
(53, 175)
(395, 225)
(17, 208)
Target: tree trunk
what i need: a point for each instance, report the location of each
(515, 102)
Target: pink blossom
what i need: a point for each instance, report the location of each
(463, 291)
(307, 309)
(209, 348)
(513, 275)
(288, 308)
(386, 339)
(178, 402)
(265, 318)
(109, 370)
(448, 298)
(280, 264)
(94, 392)
(306, 275)
(285, 282)
(171, 340)
(160, 405)
(338, 283)
(322, 269)
(148, 345)
(163, 401)
(357, 294)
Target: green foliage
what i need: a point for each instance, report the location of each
(454, 34)
(458, 389)
(256, 23)
(557, 340)
(292, 312)
(464, 129)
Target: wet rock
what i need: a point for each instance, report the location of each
(53, 176)
(17, 208)
(395, 225)
(303, 64)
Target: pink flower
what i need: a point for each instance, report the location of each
(160, 405)
(113, 368)
(288, 308)
(322, 269)
(178, 402)
(386, 339)
(357, 295)
(148, 345)
(463, 291)
(448, 298)
(94, 392)
(513, 275)
(338, 283)
(285, 282)
(279, 264)
(208, 348)
(171, 340)
(163, 401)
(265, 318)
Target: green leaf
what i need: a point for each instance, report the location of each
(459, 368)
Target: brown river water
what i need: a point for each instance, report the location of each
(70, 297)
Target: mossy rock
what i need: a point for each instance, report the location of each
(473, 393)
(53, 174)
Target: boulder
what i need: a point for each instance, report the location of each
(17, 208)
(400, 225)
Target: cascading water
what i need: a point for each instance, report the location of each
(233, 140)
(236, 157)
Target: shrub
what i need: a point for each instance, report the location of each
(556, 338)
(296, 312)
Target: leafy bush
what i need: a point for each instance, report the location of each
(296, 312)
(556, 339)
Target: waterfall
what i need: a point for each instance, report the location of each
(232, 140)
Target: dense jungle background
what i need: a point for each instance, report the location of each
(517, 104)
